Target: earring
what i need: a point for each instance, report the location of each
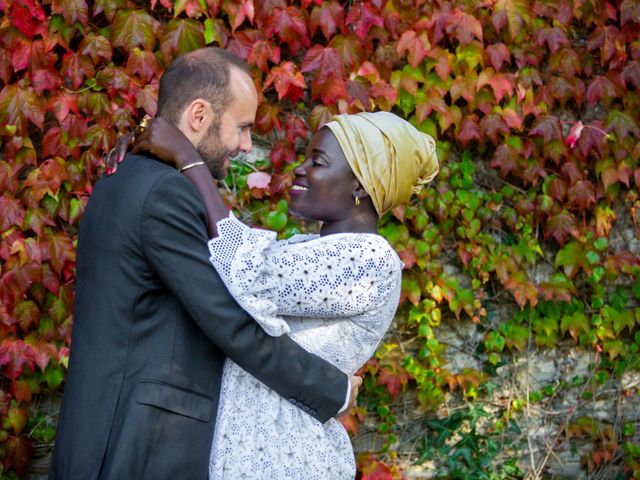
(357, 201)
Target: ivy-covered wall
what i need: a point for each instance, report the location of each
(521, 287)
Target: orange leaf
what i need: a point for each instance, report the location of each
(287, 80)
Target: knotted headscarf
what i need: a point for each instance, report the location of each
(390, 158)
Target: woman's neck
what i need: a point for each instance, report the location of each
(359, 224)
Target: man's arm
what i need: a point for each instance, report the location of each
(174, 235)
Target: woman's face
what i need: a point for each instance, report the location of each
(324, 184)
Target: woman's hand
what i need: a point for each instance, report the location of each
(117, 153)
(167, 143)
(156, 137)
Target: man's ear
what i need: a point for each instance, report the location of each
(198, 115)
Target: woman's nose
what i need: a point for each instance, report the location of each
(299, 171)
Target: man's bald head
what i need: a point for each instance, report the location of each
(202, 73)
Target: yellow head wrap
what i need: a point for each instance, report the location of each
(390, 158)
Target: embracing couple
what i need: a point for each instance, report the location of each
(203, 348)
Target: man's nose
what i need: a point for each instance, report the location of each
(245, 142)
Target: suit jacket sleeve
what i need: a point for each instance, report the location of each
(174, 236)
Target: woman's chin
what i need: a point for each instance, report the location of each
(298, 213)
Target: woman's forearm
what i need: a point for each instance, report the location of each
(202, 179)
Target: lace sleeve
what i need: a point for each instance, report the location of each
(334, 276)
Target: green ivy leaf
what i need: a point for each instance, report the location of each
(575, 324)
(276, 220)
(181, 36)
(134, 28)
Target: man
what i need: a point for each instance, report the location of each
(153, 321)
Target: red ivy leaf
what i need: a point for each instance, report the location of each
(280, 182)
(571, 171)
(574, 134)
(320, 114)
(561, 227)
(373, 469)
(295, 128)
(629, 12)
(350, 49)
(362, 17)
(144, 64)
(590, 139)
(467, 27)
(394, 381)
(499, 83)
(265, 8)
(582, 194)
(328, 16)
(50, 280)
(36, 218)
(27, 16)
(282, 153)
(75, 67)
(239, 11)
(26, 313)
(109, 7)
(326, 62)
(21, 391)
(14, 356)
(554, 38)
(263, 51)
(18, 105)
(6, 69)
(385, 95)
(135, 28)
(631, 73)
(547, 126)
(268, 118)
(566, 62)
(607, 39)
(193, 8)
(329, 91)
(181, 36)
(243, 41)
(58, 249)
(622, 124)
(18, 454)
(492, 126)
(601, 89)
(72, 10)
(290, 26)
(498, 54)
(469, 130)
(512, 13)
(287, 80)
(416, 44)
(12, 213)
(97, 47)
(506, 159)
(359, 91)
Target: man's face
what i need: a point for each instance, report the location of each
(230, 133)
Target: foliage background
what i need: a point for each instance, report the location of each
(536, 110)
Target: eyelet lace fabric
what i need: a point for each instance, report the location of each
(335, 296)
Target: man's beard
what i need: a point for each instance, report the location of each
(214, 152)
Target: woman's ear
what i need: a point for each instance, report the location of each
(359, 192)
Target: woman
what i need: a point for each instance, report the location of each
(335, 294)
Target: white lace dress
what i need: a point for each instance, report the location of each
(335, 296)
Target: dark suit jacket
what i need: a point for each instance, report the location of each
(153, 324)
